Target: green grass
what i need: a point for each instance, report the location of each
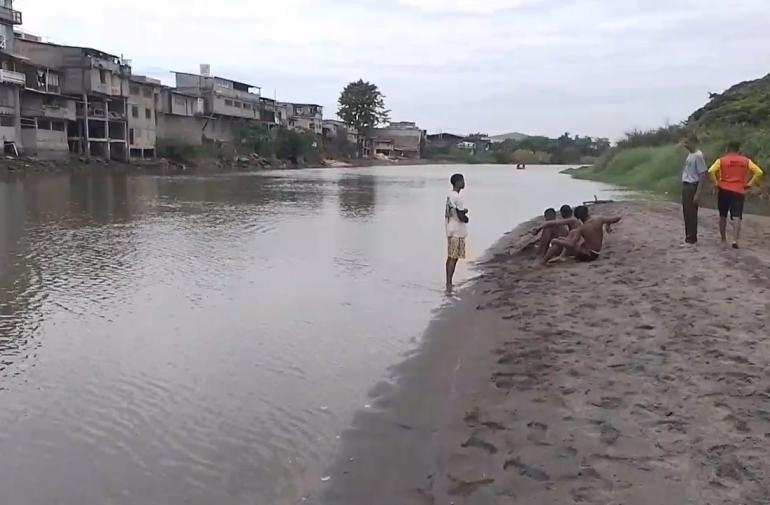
(655, 169)
(659, 169)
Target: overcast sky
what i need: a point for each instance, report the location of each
(594, 67)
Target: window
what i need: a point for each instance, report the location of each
(103, 76)
(7, 121)
(238, 105)
(53, 81)
(58, 126)
(229, 103)
(130, 135)
(6, 97)
(147, 92)
(135, 111)
(43, 124)
(147, 114)
(178, 100)
(134, 90)
(224, 84)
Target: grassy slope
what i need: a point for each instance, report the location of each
(740, 113)
(659, 168)
(649, 168)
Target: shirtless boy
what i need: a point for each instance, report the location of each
(550, 233)
(585, 242)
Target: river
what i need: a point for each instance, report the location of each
(204, 340)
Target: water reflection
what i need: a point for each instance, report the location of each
(357, 195)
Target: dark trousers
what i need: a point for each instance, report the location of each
(690, 210)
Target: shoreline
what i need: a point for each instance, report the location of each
(637, 379)
(21, 167)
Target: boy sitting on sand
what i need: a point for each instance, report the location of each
(584, 242)
(550, 233)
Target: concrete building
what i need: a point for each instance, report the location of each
(397, 140)
(143, 99)
(45, 114)
(302, 116)
(333, 128)
(11, 79)
(268, 112)
(99, 83)
(182, 118)
(222, 97)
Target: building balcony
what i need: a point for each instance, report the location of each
(10, 16)
(52, 89)
(238, 95)
(11, 77)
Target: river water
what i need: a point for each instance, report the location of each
(204, 340)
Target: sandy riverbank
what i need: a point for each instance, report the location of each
(639, 379)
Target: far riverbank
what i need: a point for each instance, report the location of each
(19, 167)
(638, 379)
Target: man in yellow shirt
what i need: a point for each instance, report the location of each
(734, 175)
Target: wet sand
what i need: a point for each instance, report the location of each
(641, 378)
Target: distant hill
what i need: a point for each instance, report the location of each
(516, 136)
(747, 103)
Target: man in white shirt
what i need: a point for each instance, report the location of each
(693, 182)
(456, 216)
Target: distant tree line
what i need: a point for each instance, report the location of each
(564, 150)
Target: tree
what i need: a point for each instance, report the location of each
(362, 106)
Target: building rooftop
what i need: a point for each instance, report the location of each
(245, 84)
(143, 79)
(178, 91)
(301, 104)
(87, 50)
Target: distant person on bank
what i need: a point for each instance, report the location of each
(456, 216)
(733, 175)
(693, 182)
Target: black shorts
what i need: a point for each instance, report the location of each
(732, 203)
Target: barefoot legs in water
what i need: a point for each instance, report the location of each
(451, 265)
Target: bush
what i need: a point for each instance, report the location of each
(256, 139)
(179, 151)
(654, 138)
(296, 147)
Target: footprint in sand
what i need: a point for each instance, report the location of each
(476, 442)
(609, 434)
(537, 434)
(610, 402)
(526, 470)
(466, 488)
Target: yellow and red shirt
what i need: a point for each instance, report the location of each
(732, 173)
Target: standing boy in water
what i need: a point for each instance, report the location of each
(734, 175)
(456, 216)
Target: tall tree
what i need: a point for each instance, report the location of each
(362, 106)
